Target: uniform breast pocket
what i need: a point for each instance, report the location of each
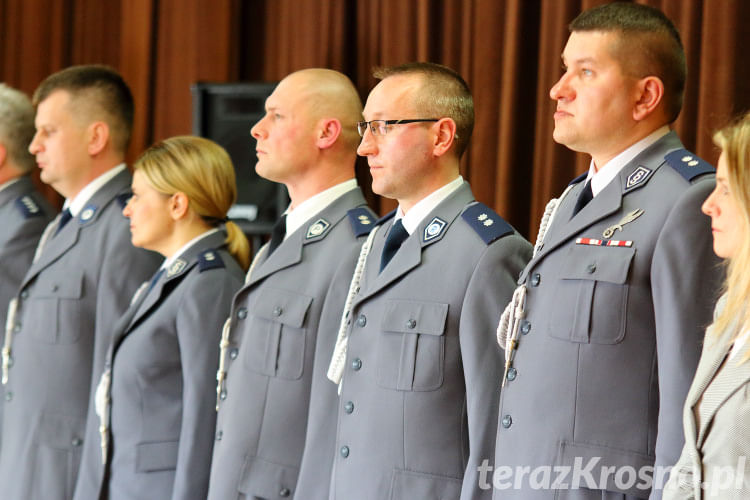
(276, 338)
(592, 292)
(55, 310)
(411, 346)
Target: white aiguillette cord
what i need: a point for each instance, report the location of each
(338, 360)
(510, 320)
(221, 374)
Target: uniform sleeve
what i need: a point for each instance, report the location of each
(685, 279)
(490, 289)
(202, 311)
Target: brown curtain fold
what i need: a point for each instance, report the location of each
(508, 51)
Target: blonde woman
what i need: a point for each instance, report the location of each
(155, 403)
(716, 420)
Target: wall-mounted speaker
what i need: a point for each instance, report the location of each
(225, 113)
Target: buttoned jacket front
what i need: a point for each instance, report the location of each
(614, 315)
(274, 336)
(69, 299)
(418, 403)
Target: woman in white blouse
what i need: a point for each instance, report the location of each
(715, 460)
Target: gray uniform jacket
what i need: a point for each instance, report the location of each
(260, 430)
(163, 357)
(611, 334)
(24, 213)
(420, 388)
(68, 301)
(717, 449)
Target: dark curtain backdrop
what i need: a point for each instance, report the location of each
(508, 51)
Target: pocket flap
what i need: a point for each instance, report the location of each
(413, 316)
(282, 306)
(156, 456)
(610, 264)
(408, 484)
(69, 288)
(264, 479)
(62, 432)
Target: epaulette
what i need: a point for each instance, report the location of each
(486, 222)
(361, 220)
(688, 164)
(123, 198)
(209, 259)
(579, 178)
(28, 207)
(386, 217)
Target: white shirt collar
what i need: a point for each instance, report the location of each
(426, 205)
(307, 209)
(608, 171)
(10, 183)
(76, 204)
(168, 262)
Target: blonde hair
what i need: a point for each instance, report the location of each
(734, 141)
(203, 171)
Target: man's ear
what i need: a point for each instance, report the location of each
(650, 94)
(98, 136)
(445, 136)
(3, 154)
(329, 130)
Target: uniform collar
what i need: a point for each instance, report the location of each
(307, 209)
(187, 246)
(10, 183)
(81, 199)
(600, 179)
(426, 205)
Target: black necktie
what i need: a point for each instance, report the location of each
(65, 217)
(393, 241)
(277, 234)
(586, 195)
(156, 277)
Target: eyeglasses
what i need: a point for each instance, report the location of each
(381, 127)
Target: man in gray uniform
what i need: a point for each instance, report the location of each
(306, 140)
(416, 359)
(24, 212)
(604, 336)
(84, 272)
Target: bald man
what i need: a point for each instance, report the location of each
(273, 345)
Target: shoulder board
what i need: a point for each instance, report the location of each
(580, 178)
(28, 207)
(486, 222)
(123, 198)
(386, 217)
(688, 164)
(209, 259)
(361, 219)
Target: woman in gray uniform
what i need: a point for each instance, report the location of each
(156, 399)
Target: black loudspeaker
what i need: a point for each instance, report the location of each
(225, 113)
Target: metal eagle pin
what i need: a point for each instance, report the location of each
(628, 218)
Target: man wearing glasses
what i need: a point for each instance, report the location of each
(416, 360)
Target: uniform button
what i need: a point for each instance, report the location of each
(511, 374)
(536, 279)
(362, 320)
(17, 328)
(411, 324)
(233, 352)
(284, 492)
(356, 364)
(591, 269)
(344, 451)
(219, 435)
(77, 441)
(223, 395)
(54, 288)
(507, 421)
(242, 313)
(9, 395)
(25, 295)
(349, 407)
(277, 311)
(525, 327)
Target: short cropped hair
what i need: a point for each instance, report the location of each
(99, 93)
(648, 45)
(17, 127)
(443, 94)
